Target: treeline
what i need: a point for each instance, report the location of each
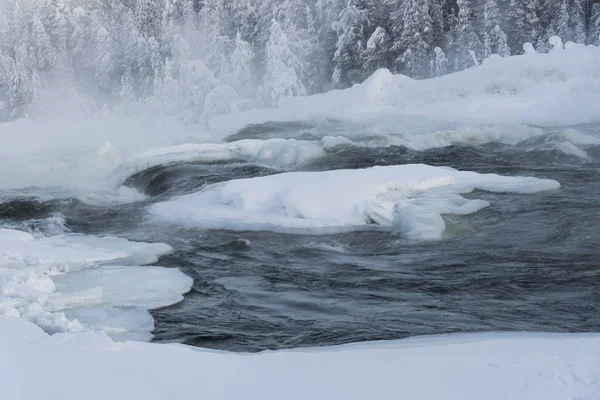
(203, 57)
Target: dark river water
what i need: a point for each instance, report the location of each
(526, 263)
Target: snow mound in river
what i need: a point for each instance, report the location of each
(408, 199)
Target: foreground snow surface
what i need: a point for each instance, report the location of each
(90, 366)
(409, 199)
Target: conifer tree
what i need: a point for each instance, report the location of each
(351, 42)
(469, 49)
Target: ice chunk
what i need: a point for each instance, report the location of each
(154, 287)
(131, 323)
(70, 283)
(119, 308)
(409, 199)
(63, 253)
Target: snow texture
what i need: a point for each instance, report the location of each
(473, 366)
(407, 199)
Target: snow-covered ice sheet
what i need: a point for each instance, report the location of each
(474, 366)
(74, 282)
(408, 199)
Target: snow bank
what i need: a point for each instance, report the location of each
(74, 282)
(277, 153)
(408, 199)
(477, 366)
(556, 89)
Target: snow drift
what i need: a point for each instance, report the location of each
(408, 199)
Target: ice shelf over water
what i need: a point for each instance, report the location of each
(407, 199)
(489, 366)
(75, 282)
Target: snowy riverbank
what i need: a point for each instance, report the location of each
(483, 366)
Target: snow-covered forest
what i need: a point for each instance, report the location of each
(201, 58)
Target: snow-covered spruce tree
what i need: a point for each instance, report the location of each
(297, 21)
(594, 31)
(577, 21)
(563, 22)
(240, 16)
(436, 12)
(17, 88)
(327, 13)
(499, 42)
(524, 23)
(469, 49)
(351, 42)
(240, 72)
(41, 49)
(283, 68)
(319, 64)
(212, 41)
(416, 40)
(495, 40)
(451, 37)
(375, 55)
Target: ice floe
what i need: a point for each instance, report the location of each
(408, 199)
